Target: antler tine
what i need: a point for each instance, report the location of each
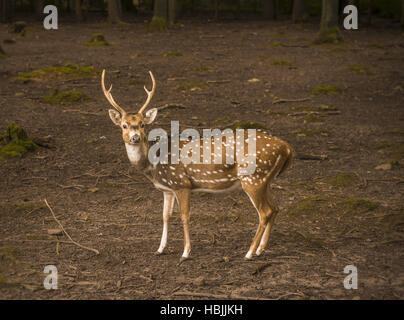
(149, 93)
(108, 95)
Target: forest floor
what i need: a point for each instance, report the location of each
(334, 212)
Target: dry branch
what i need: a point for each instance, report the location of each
(63, 229)
(280, 100)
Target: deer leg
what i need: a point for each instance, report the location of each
(257, 197)
(167, 210)
(274, 211)
(183, 203)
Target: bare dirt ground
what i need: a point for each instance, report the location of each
(336, 212)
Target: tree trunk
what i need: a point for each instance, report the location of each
(167, 10)
(174, 7)
(370, 12)
(299, 12)
(160, 9)
(402, 13)
(6, 10)
(79, 12)
(269, 9)
(40, 4)
(329, 31)
(113, 11)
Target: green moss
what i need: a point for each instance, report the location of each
(5, 283)
(325, 90)
(394, 150)
(15, 143)
(8, 254)
(205, 69)
(172, 54)
(192, 85)
(281, 62)
(97, 40)
(67, 71)
(65, 97)
(357, 205)
(310, 132)
(3, 55)
(276, 113)
(359, 69)
(310, 117)
(158, 24)
(329, 35)
(28, 207)
(248, 125)
(307, 206)
(277, 44)
(23, 79)
(343, 180)
(325, 107)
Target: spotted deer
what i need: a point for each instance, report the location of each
(177, 180)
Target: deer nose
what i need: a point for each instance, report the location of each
(135, 138)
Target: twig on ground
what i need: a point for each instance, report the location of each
(281, 100)
(218, 81)
(215, 296)
(76, 186)
(63, 229)
(171, 105)
(83, 112)
(312, 157)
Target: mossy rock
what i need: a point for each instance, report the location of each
(325, 90)
(307, 206)
(343, 180)
(360, 69)
(97, 40)
(68, 71)
(18, 27)
(394, 150)
(281, 62)
(329, 35)
(65, 97)
(15, 143)
(248, 125)
(158, 24)
(357, 205)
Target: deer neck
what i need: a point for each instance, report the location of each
(137, 155)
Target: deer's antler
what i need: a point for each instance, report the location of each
(149, 93)
(108, 95)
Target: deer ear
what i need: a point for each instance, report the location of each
(115, 116)
(150, 115)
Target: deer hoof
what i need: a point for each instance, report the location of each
(182, 259)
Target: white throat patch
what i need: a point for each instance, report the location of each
(134, 152)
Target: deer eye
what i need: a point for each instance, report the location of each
(124, 126)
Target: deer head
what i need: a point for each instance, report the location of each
(132, 124)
